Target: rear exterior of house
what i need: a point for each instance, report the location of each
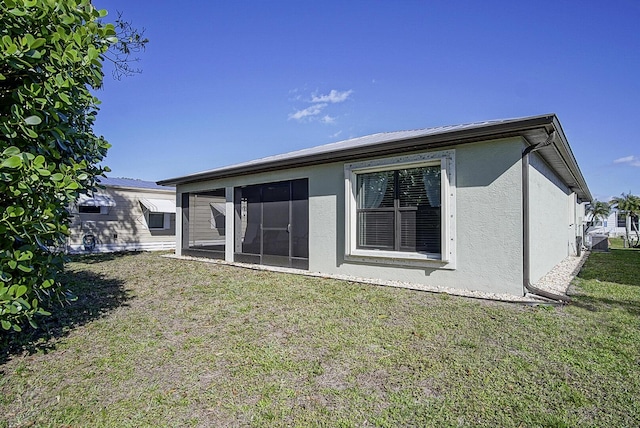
(491, 206)
(125, 215)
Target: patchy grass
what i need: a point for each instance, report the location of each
(616, 243)
(162, 342)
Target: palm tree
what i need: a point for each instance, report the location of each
(629, 205)
(598, 210)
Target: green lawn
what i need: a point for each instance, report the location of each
(162, 342)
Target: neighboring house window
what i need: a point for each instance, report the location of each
(89, 209)
(622, 221)
(158, 212)
(156, 220)
(95, 204)
(401, 209)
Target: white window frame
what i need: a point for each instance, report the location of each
(446, 259)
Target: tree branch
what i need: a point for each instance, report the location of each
(130, 42)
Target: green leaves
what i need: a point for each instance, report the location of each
(11, 151)
(50, 58)
(12, 162)
(33, 120)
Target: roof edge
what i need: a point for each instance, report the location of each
(436, 140)
(572, 164)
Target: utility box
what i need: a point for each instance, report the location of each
(599, 243)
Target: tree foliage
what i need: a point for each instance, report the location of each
(629, 205)
(598, 210)
(51, 55)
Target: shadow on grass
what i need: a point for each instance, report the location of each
(93, 258)
(596, 304)
(619, 266)
(97, 295)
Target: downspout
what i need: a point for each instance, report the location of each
(526, 239)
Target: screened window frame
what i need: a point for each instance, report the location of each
(446, 257)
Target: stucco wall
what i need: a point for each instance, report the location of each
(124, 225)
(488, 224)
(553, 218)
(488, 220)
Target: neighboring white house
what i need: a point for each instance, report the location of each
(125, 215)
(614, 225)
(490, 206)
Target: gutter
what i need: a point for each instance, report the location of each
(526, 238)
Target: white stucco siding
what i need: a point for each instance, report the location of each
(553, 219)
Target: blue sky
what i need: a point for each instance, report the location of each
(229, 81)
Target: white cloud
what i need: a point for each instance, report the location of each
(313, 110)
(624, 159)
(332, 97)
(629, 160)
(318, 104)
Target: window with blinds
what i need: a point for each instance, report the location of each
(399, 210)
(622, 221)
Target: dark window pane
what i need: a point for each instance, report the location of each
(275, 242)
(408, 230)
(428, 230)
(405, 215)
(376, 229)
(88, 209)
(272, 222)
(375, 190)
(185, 220)
(622, 221)
(275, 202)
(419, 186)
(251, 219)
(156, 220)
